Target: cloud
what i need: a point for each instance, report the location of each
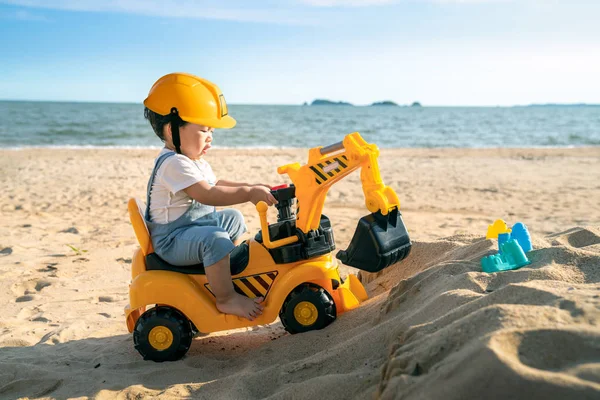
(476, 1)
(299, 12)
(23, 15)
(371, 3)
(347, 3)
(232, 10)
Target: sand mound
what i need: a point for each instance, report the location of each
(577, 237)
(448, 331)
(533, 331)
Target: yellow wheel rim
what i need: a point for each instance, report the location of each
(160, 337)
(306, 313)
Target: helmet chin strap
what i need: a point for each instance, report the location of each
(175, 120)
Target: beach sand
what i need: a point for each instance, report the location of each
(435, 326)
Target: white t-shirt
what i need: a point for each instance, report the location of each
(168, 201)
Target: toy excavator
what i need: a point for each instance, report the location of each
(289, 262)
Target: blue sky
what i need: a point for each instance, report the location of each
(438, 52)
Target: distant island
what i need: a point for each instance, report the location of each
(561, 105)
(391, 103)
(323, 102)
(384, 103)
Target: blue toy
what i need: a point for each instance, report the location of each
(521, 235)
(518, 232)
(512, 257)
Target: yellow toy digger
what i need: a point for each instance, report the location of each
(289, 263)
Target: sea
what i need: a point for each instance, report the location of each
(25, 124)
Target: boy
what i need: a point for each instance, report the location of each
(183, 191)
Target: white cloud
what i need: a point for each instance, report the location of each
(370, 3)
(473, 1)
(347, 3)
(303, 12)
(233, 10)
(24, 15)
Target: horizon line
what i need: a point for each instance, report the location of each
(576, 104)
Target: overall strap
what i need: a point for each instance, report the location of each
(157, 165)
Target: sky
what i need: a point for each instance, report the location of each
(437, 52)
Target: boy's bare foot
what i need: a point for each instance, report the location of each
(241, 306)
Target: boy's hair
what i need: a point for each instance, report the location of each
(158, 121)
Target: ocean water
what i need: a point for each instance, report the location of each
(57, 124)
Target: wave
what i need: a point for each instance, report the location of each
(125, 147)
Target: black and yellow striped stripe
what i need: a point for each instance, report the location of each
(320, 169)
(252, 285)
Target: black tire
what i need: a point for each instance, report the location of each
(165, 319)
(321, 300)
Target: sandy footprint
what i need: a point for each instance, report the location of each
(571, 347)
(50, 267)
(24, 298)
(31, 387)
(41, 284)
(26, 291)
(109, 299)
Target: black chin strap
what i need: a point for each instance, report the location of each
(175, 121)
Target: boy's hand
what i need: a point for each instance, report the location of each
(261, 193)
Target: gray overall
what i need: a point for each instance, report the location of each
(200, 235)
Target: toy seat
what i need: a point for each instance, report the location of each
(239, 258)
(136, 216)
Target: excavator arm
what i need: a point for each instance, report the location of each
(380, 239)
(328, 165)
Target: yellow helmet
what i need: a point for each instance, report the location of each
(194, 99)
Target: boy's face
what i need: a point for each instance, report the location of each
(195, 140)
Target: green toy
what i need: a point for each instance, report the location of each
(512, 257)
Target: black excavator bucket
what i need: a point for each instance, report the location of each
(378, 242)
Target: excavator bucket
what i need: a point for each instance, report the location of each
(378, 242)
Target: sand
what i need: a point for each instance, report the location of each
(435, 326)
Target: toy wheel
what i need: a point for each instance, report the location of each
(308, 307)
(162, 334)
